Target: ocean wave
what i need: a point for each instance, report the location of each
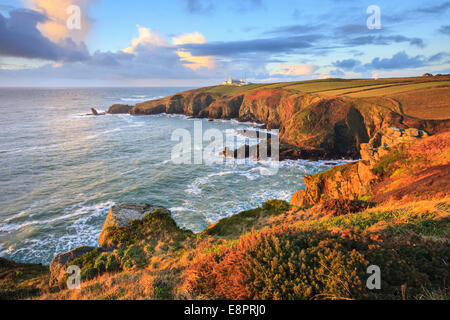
(7, 227)
(82, 231)
(138, 98)
(96, 135)
(129, 171)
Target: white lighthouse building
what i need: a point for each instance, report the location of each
(231, 82)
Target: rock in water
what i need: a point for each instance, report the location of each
(94, 112)
(120, 215)
(120, 109)
(59, 264)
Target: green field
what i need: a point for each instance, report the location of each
(343, 87)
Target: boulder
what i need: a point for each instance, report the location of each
(59, 264)
(120, 216)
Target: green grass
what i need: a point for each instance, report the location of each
(386, 164)
(427, 227)
(397, 221)
(243, 221)
(231, 90)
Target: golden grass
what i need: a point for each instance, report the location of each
(393, 89)
(429, 103)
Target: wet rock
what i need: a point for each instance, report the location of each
(263, 150)
(255, 134)
(94, 112)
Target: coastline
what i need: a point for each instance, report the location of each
(373, 204)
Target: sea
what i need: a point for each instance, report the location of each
(61, 169)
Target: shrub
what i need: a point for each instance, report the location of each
(133, 257)
(112, 263)
(287, 263)
(88, 259)
(236, 224)
(276, 206)
(96, 263)
(268, 265)
(89, 273)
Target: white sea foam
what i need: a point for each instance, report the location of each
(95, 136)
(127, 172)
(6, 227)
(81, 231)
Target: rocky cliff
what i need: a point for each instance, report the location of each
(329, 125)
(395, 164)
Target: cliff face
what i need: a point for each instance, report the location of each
(334, 126)
(405, 166)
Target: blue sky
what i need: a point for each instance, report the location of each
(202, 42)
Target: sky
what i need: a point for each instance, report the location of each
(85, 43)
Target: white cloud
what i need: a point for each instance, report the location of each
(146, 38)
(190, 61)
(55, 28)
(187, 38)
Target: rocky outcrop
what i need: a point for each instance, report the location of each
(350, 181)
(120, 216)
(386, 139)
(263, 150)
(190, 103)
(94, 112)
(59, 264)
(406, 162)
(120, 109)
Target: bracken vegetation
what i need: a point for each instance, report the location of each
(288, 263)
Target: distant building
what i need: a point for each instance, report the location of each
(231, 82)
